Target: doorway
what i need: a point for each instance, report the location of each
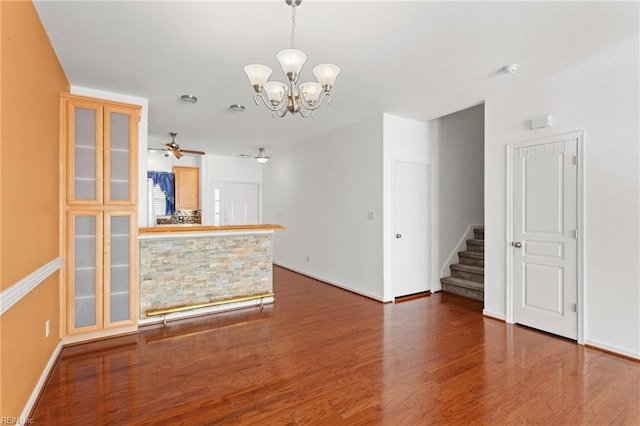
(412, 226)
(236, 203)
(544, 253)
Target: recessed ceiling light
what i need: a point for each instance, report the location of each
(189, 98)
(236, 108)
(510, 69)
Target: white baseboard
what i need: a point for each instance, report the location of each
(613, 349)
(494, 315)
(24, 417)
(333, 283)
(461, 246)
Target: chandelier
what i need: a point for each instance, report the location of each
(281, 98)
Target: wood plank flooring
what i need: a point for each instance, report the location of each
(324, 356)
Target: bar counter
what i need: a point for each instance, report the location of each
(194, 269)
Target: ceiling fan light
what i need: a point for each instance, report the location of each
(275, 91)
(262, 156)
(311, 92)
(291, 61)
(258, 75)
(326, 75)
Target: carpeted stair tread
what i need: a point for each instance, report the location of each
(475, 245)
(459, 282)
(468, 268)
(474, 254)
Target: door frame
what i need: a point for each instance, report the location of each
(430, 224)
(579, 136)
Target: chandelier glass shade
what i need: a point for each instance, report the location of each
(291, 97)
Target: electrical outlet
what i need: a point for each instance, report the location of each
(47, 329)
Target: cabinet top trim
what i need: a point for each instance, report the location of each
(71, 96)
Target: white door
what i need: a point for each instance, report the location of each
(412, 218)
(545, 284)
(240, 203)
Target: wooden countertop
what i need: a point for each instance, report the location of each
(182, 229)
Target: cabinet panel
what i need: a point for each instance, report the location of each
(120, 268)
(84, 128)
(84, 270)
(120, 155)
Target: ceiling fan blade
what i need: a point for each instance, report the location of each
(189, 151)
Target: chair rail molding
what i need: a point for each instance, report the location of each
(20, 289)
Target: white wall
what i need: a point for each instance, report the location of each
(405, 140)
(221, 168)
(321, 190)
(460, 141)
(142, 139)
(601, 97)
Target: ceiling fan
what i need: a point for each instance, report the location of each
(174, 148)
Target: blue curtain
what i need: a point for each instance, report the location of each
(166, 181)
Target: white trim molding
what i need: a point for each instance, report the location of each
(17, 291)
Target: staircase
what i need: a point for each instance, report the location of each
(467, 277)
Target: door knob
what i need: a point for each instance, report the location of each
(517, 244)
(398, 235)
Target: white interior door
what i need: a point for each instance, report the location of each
(545, 284)
(412, 219)
(240, 203)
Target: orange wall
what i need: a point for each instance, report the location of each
(31, 79)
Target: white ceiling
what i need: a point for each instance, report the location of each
(418, 59)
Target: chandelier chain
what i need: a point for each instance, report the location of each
(293, 24)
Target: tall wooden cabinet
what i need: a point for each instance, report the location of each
(100, 171)
(187, 181)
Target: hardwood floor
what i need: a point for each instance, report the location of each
(324, 356)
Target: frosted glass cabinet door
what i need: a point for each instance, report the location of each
(85, 147)
(120, 154)
(119, 267)
(85, 269)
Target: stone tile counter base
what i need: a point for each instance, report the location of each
(189, 270)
